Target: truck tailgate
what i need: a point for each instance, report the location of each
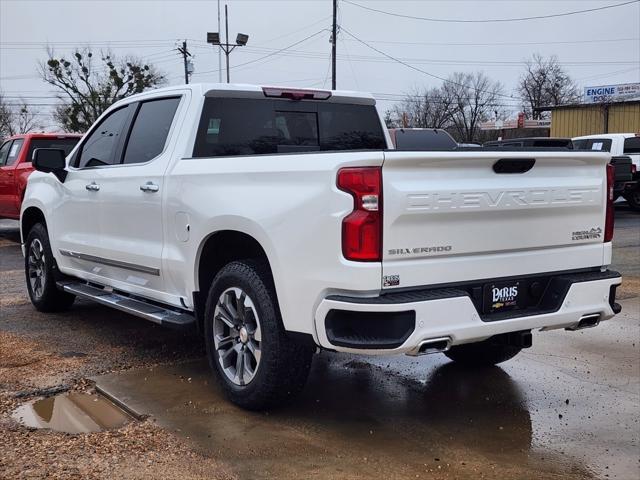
(461, 216)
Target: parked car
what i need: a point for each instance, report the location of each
(532, 142)
(618, 144)
(413, 139)
(278, 221)
(15, 165)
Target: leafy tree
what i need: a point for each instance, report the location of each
(87, 88)
(545, 83)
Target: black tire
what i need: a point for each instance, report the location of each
(44, 294)
(283, 364)
(482, 354)
(633, 199)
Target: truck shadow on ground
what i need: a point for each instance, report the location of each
(351, 415)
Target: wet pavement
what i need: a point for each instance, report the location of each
(73, 412)
(569, 407)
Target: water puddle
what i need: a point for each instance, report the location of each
(71, 413)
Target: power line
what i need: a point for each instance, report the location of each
(270, 54)
(321, 55)
(493, 20)
(503, 44)
(408, 65)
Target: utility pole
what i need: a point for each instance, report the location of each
(185, 54)
(219, 50)
(334, 41)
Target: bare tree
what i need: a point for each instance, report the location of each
(426, 108)
(16, 118)
(474, 99)
(87, 88)
(545, 83)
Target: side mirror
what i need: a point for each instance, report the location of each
(50, 160)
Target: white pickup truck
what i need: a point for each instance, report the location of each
(617, 145)
(279, 222)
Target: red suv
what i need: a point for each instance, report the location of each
(15, 165)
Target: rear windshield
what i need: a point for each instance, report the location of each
(65, 144)
(234, 126)
(595, 144)
(424, 140)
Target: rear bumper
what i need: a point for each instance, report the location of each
(401, 321)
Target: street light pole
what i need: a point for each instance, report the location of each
(214, 39)
(219, 50)
(226, 38)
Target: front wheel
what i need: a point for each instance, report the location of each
(482, 354)
(39, 267)
(257, 364)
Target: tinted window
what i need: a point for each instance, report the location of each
(424, 140)
(4, 150)
(231, 126)
(100, 147)
(14, 151)
(150, 129)
(632, 145)
(65, 144)
(595, 144)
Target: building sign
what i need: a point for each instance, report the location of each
(521, 122)
(612, 93)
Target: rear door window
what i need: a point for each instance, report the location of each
(231, 126)
(150, 130)
(14, 151)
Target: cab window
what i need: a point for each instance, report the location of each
(14, 151)
(101, 146)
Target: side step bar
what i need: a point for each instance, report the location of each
(139, 308)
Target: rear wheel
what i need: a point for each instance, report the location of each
(257, 364)
(633, 199)
(487, 352)
(40, 272)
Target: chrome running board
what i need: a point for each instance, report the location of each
(134, 306)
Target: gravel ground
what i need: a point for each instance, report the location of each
(41, 353)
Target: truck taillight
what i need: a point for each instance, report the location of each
(609, 217)
(362, 228)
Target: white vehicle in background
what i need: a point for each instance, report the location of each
(618, 144)
(277, 221)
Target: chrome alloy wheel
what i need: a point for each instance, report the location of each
(236, 336)
(37, 268)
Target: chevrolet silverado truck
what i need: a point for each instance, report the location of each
(619, 145)
(279, 222)
(15, 165)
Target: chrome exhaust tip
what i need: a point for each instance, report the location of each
(432, 345)
(589, 320)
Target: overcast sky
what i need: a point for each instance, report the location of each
(596, 48)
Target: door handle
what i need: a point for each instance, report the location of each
(149, 187)
(92, 187)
